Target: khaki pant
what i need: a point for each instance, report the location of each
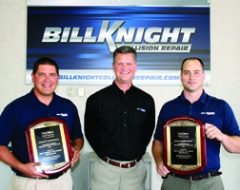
(109, 177)
(64, 182)
(173, 183)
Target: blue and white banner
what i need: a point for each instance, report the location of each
(81, 39)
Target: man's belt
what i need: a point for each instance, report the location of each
(119, 164)
(55, 176)
(197, 177)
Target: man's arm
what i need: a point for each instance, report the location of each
(90, 125)
(149, 126)
(28, 169)
(77, 145)
(157, 150)
(230, 143)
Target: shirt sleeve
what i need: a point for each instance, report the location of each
(230, 125)
(150, 123)
(90, 125)
(76, 131)
(6, 125)
(160, 124)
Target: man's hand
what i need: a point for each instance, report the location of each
(162, 170)
(76, 155)
(157, 150)
(212, 132)
(30, 170)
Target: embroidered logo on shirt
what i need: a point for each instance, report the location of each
(141, 109)
(208, 113)
(62, 114)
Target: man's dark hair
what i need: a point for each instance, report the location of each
(192, 58)
(124, 50)
(44, 61)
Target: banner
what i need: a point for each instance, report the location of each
(81, 39)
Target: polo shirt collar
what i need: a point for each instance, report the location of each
(119, 93)
(33, 99)
(202, 99)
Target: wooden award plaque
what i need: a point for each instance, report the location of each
(48, 142)
(184, 146)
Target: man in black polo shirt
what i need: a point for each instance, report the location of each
(119, 122)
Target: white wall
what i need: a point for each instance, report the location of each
(225, 67)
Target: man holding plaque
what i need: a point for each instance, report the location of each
(119, 122)
(184, 158)
(55, 138)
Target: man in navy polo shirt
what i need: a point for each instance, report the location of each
(220, 127)
(40, 102)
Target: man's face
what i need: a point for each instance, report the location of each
(124, 68)
(192, 76)
(45, 80)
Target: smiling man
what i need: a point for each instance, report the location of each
(220, 128)
(119, 122)
(41, 102)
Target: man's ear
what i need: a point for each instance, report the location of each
(33, 77)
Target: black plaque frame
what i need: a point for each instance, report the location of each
(184, 145)
(49, 143)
